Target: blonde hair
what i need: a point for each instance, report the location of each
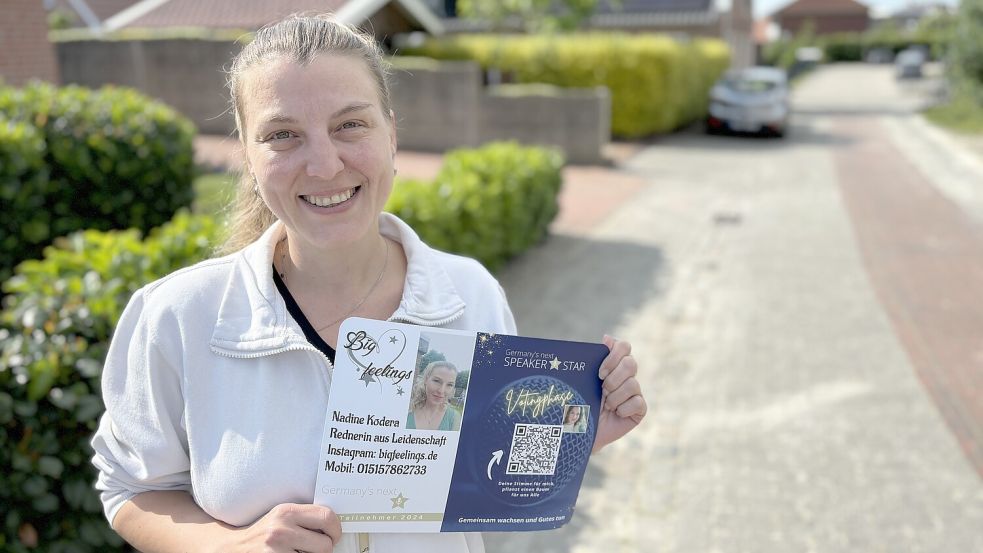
(300, 38)
(418, 398)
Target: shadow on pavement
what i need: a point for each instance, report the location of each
(575, 288)
(802, 130)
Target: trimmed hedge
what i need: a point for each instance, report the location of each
(657, 84)
(112, 158)
(490, 203)
(24, 187)
(57, 322)
(60, 311)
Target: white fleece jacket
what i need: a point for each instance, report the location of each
(210, 386)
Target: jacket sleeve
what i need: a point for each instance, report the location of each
(141, 444)
(507, 319)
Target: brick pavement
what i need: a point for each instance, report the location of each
(924, 256)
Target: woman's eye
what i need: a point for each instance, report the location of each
(351, 125)
(280, 135)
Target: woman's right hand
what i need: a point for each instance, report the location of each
(291, 527)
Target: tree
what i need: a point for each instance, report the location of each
(967, 44)
(533, 15)
(429, 357)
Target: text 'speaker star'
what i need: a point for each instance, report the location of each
(555, 364)
(367, 378)
(399, 391)
(399, 501)
(392, 339)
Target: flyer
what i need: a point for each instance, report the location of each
(436, 430)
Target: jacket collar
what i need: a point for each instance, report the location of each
(253, 320)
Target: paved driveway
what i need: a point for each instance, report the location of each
(808, 316)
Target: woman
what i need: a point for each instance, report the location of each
(218, 374)
(429, 409)
(574, 420)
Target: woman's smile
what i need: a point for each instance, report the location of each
(332, 203)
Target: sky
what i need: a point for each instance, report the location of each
(766, 7)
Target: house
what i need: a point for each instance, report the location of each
(730, 20)
(84, 13)
(25, 52)
(167, 65)
(909, 17)
(825, 16)
(384, 17)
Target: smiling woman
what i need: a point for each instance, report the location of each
(218, 374)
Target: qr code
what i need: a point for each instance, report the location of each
(534, 449)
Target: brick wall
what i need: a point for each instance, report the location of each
(25, 52)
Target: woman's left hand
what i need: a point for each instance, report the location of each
(622, 405)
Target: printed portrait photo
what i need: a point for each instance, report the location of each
(440, 385)
(575, 418)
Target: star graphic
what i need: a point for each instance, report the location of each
(399, 391)
(555, 363)
(367, 378)
(392, 339)
(399, 501)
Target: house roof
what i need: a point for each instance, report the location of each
(624, 14)
(253, 14)
(652, 6)
(801, 8)
(104, 9)
(90, 12)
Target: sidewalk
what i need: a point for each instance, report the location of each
(589, 194)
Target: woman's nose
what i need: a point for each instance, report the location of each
(324, 158)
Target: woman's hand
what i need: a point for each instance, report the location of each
(622, 406)
(288, 528)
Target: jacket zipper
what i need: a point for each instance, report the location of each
(277, 351)
(441, 322)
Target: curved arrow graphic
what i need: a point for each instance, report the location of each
(495, 459)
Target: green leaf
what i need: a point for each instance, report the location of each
(50, 466)
(48, 503)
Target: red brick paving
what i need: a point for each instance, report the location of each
(925, 259)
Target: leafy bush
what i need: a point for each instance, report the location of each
(56, 325)
(60, 311)
(24, 185)
(967, 47)
(490, 203)
(848, 47)
(657, 84)
(114, 159)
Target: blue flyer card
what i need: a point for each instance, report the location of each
(435, 430)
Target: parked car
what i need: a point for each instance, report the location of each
(752, 100)
(879, 55)
(908, 63)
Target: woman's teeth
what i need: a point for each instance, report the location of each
(329, 201)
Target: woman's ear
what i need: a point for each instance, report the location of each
(392, 132)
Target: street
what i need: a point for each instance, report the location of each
(807, 318)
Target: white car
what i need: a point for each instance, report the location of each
(752, 100)
(908, 63)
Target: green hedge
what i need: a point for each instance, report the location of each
(657, 84)
(60, 311)
(849, 47)
(57, 322)
(491, 203)
(24, 188)
(112, 158)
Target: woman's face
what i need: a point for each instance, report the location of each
(573, 413)
(319, 145)
(440, 386)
